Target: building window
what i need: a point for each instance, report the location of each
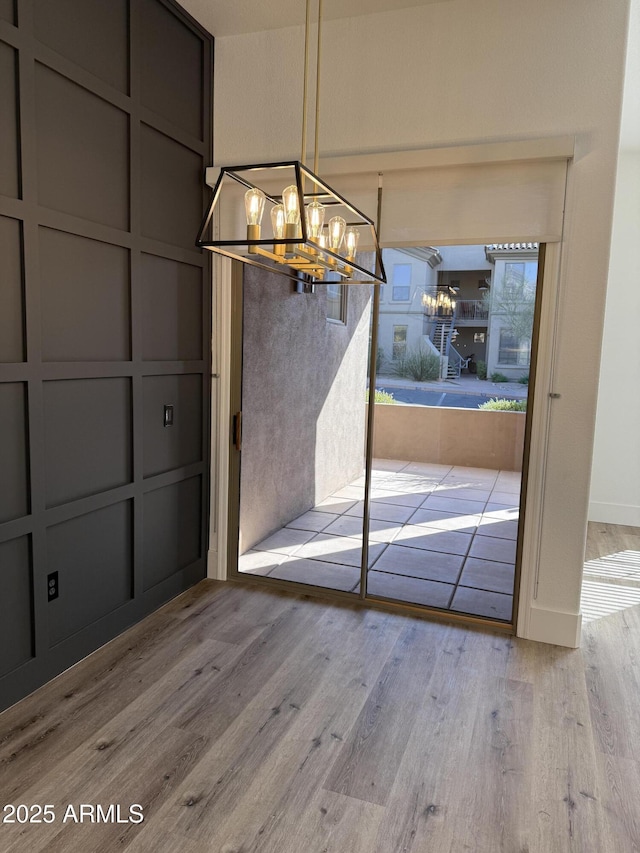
(399, 342)
(518, 277)
(401, 282)
(514, 350)
(337, 303)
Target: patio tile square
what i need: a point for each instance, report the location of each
(351, 525)
(334, 504)
(312, 520)
(477, 473)
(355, 493)
(481, 603)
(409, 485)
(509, 480)
(432, 539)
(480, 482)
(454, 505)
(505, 498)
(416, 563)
(499, 527)
(451, 490)
(390, 497)
(489, 575)
(492, 548)
(317, 572)
(502, 513)
(389, 464)
(259, 562)
(445, 520)
(428, 469)
(284, 541)
(383, 512)
(513, 506)
(344, 550)
(416, 591)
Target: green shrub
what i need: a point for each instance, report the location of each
(379, 359)
(499, 377)
(418, 364)
(524, 380)
(381, 397)
(497, 405)
(481, 370)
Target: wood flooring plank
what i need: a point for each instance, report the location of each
(613, 681)
(368, 762)
(331, 823)
(619, 787)
(421, 810)
(495, 795)
(568, 815)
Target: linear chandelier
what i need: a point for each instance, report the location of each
(296, 242)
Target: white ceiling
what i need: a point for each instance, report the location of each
(232, 17)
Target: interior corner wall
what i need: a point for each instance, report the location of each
(615, 480)
(303, 400)
(463, 72)
(105, 320)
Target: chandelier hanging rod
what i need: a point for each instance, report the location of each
(299, 241)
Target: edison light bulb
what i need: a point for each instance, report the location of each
(314, 215)
(315, 219)
(278, 224)
(291, 205)
(337, 227)
(351, 243)
(254, 208)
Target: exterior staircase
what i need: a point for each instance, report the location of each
(440, 336)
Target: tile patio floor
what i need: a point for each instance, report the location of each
(441, 536)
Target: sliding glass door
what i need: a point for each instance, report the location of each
(421, 484)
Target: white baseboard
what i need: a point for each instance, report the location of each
(614, 513)
(555, 627)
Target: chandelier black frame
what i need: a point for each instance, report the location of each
(305, 258)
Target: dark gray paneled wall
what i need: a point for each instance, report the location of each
(104, 319)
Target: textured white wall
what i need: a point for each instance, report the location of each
(464, 72)
(615, 482)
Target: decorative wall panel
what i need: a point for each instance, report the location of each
(86, 300)
(11, 292)
(171, 529)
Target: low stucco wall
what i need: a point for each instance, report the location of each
(468, 437)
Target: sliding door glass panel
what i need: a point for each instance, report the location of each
(304, 374)
(454, 344)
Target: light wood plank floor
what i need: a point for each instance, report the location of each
(246, 721)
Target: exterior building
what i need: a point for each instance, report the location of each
(468, 304)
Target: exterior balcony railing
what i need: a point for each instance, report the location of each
(471, 312)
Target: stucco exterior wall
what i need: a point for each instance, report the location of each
(303, 401)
